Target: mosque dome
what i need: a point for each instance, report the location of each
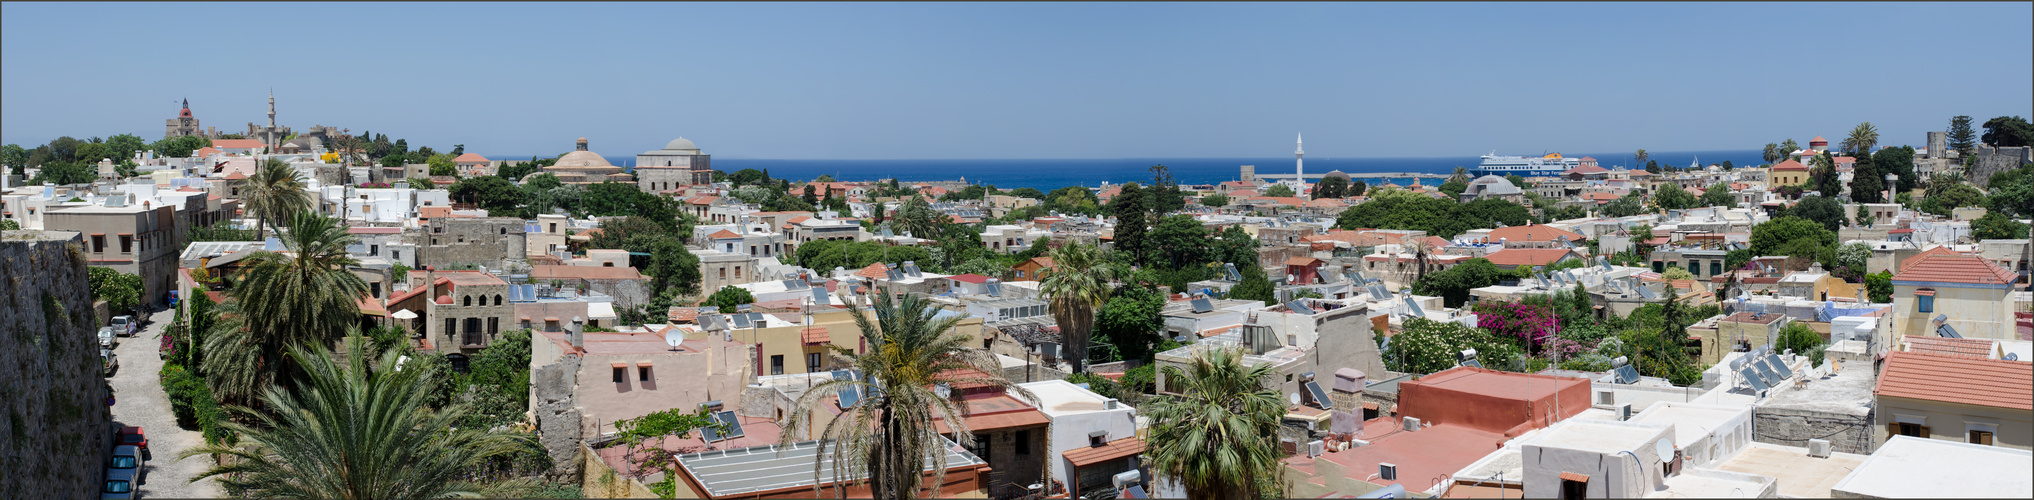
(681, 144)
(1335, 173)
(581, 158)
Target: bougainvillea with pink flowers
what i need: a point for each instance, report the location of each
(1532, 324)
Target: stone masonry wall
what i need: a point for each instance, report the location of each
(54, 431)
(1847, 433)
(1991, 160)
(559, 426)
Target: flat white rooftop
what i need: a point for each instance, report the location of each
(1691, 422)
(1059, 397)
(1911, 467)
(1598, 436)
(1703, 483)
(1800, 475)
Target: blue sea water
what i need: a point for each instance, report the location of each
(1049, 174)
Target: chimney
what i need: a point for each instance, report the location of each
(577, 331)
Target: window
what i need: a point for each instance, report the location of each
(1980, 437)
(451, 326)
(776, 364)
(812, 361)
(497, 299)
(493, 326)
(373, 250)
(468, 300)
(1907, 429)
(98, 243)
(723, 273)
(1572, 489)
(620, 375)
(126, 243)
(1927, 302)
(1694, 267)
(642, 373)
(554, 227)
(1715, 267)
(1024, 442)
(738, 272)
(1659, 266)
(374, 289)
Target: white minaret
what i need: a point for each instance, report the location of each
(1299, 153)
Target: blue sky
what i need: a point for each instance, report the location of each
(1009, 80)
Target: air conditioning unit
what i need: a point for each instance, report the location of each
(1387, 471)
(1315, 447)
(1818, 448)
(1355, 443)
(1606, 397)
(1412, 424)
(1109, 404)
(1624, 412)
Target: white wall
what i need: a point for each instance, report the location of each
(1070, 428)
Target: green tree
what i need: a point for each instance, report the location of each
(1672, 197)
(1218, 435)
(1453, 284)
(1074, 288)
(1627, 206)
(1718, 195)
(1332, 187)
(1961, 137)
(1454, 189)
(1255, 285)
(1801, 339)
(1131, 322)
(1772, 153)
(307, 298)
(275, 193)
(1792, 236)
(1823, 210)
(1867, 181)
(1132, 222)
(1863, 216)
(1897, 161)
(1861, 139)
(1028, 192)
(1279, 191)
(491, 193)
(1824, 177)
(730, 296)
(121, 291)
(516, 170)
(1073, 200)
(357, 429)
(1179, 241)
(1215, 201)
(1164, 195)
(2012, 192)
(889, 438)
(2008, 131)
(1996, 226)
(1880, 286)
(1428, 346)
(15, 158)
(1788, 147)
(1954, 196)
(1358, 188)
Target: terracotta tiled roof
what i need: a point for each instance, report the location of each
(470, 158)
(722, 234)
(798, 219)
(703, 200)
(235, 176)
(237, 144)
(1527, 256)
(585, 272)
(1789, 165)
(1936, 250)
(1302, 261)
(814, 335)
(1978, 382)
(1955, 269)
(434, 211)
(1083, 457)
(1532, 232)
(876, 270)
(1955, 348)
(969, 278)
(1043, 262)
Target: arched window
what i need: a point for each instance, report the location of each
(504, 230)
(497, 299)
(469, 300)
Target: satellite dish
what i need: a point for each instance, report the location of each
(673, 337)
(1665, 449)
(1293, 399)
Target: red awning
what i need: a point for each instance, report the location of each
(1924, 293)
(815, 335)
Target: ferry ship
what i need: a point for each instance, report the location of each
(1525, 166)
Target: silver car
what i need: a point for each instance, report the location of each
(125, 325)
(108, 338)
(108, 363)
(125, 472)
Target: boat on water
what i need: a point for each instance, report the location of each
(1526, 166)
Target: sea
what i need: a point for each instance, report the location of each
(1050, 174)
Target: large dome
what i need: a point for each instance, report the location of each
(681, 144)
(582, 159)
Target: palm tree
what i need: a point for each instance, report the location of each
(889, 437)
(274, 192)
(1421, 247)
(1461, 175)
(1639, 158)
(307, 297)
(1772, 152)
(917, 217)
(1862, 139)
(1218, 436)
(357, 429)
(1077, 285)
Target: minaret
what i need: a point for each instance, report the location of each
(269, 135)
(1299, 153)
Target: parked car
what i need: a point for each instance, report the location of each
(125, 325)
(128, 435)
(120, 484)
(107, 362)
(107, 338)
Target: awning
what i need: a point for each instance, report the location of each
(620, 365)
(1924, 293)
(643, 364)
(1570, 476)
(600, 310)
(371, 307)
(1006, 420)
(1120, 448)
(815, 335)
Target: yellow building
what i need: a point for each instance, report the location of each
(1971, 294)
(1788, 173)
(1751, 329)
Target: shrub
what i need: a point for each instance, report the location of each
(192, 403)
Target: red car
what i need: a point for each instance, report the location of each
(132, 435)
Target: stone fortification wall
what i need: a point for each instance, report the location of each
(54, 431)
(1991, 160)
(559, 426)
